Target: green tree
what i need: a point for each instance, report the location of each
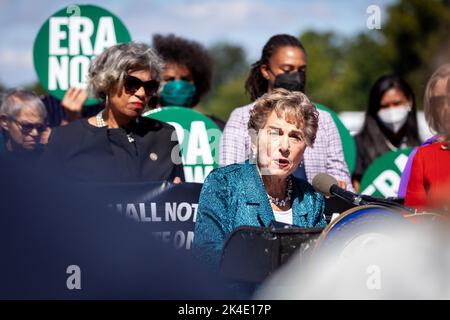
(227, 97)
(229, 73)
(417, 39)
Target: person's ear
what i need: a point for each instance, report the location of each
(264, 71)
(4, 122)
(410, 103)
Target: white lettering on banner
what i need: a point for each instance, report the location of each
(370, 190)
(79, 67)
(401, 161)
(144, 218)
(179, 239)
(68, 66)
(198, 145)
(56, 35)
(80, 33)
(106, 36)
(183, 211)
(173, 212)
(387, 183)
(57, 73)
(132, 212)
(196, 173)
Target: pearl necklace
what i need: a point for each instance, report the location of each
(283, 202)
(102, 123)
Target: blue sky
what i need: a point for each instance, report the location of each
(248, 23)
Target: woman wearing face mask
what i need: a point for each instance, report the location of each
(187, 72)
(390, 123)
(283, 65)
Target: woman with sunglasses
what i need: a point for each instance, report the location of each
(22, 120)
(118, 144)
(429, 181)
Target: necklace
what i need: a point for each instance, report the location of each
(101, 123)
(283, 202)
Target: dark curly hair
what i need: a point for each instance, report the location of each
(192, 54)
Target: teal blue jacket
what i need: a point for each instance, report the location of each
(234, 196)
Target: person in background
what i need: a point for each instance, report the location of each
(187, 73)
(263, 190)
(390, 123)
(23, 122)
(283, 65)
(429, 181)
(118, 145)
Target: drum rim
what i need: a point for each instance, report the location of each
(342, 216)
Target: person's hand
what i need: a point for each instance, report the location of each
(73, 102)
(177, 180)
(342, 184)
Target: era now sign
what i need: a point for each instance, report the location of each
(68, 40)
(199, 139)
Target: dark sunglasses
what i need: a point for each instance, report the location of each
(133, 84)
(439, 101)
(26, 128)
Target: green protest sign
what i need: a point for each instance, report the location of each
(68, 40)
(348, 143)
(382, 177)
(199, 138)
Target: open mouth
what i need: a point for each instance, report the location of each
(282, 162)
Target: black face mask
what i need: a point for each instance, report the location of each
(294, 81)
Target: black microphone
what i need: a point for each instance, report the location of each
(328, 186)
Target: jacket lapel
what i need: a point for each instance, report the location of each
(255, 195)
(298, 206)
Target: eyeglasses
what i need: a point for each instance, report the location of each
(133, 84)
(26, 127)
(439, 101)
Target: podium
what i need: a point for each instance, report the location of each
(251, 254)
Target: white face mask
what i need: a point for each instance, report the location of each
(394, 117)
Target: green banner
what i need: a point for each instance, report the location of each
(68, 40)
(382, 177)
(199, 138)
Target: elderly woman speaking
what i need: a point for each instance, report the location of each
(256, 192)
(118, 144)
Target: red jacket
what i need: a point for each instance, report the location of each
(429, 183)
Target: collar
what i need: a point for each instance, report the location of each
(256, 197)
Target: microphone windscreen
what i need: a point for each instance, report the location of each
(322, 183)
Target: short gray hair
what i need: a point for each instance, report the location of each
(434, 117)
(293, 106)
(112, 65)
(15, 100)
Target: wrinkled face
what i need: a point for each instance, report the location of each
(280, 147)
(174, 71)
(24, 130)
(130, 104)
(394, 98)
(284, 60)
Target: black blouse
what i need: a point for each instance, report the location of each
(87, 153)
